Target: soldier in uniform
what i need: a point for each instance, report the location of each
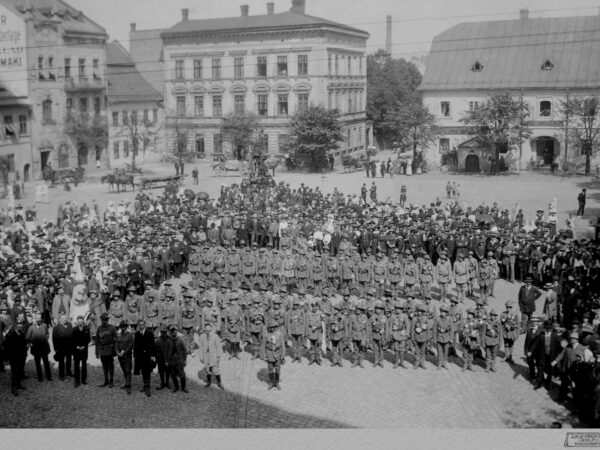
(235, 325)
(394, 272)
(333, 272)
(491, 336)
(461, 277)
(313, 333)
(262, 267)
(360, 333)
(124, 349)
(398, 333)
(151, 311)
(442, 336)
(302, 270)
(194, 263)
(170, 310)
(469, 339)
(274, 345)
(510, 330)
(133, 307)
(426, 275)
(337, 327)
(494, 269)
(255, 323)
(420, 335)
(275, 271)
(97, 308)
(410, 271)
(117, 309)
(347, 271)
(161, 361)
(176, 357)
(378, 326)
(295, 329)
(234, 264)
(485, 277)
(289, 271)
(206, 264)
(379, 272)
(188, 321)
(317, 274)
(455, 315)
(106, 340)
(363, 274)
(443, 275)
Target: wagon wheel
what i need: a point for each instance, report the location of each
(220, 170)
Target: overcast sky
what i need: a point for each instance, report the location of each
(415, 22)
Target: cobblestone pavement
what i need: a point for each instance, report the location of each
(311, 397)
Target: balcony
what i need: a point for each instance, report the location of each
(84, 84)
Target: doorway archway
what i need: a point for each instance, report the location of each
(472, 164)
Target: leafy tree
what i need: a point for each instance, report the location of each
(137, 131)
(389, 81)
(87, 132)
(240, 130)
(583, 115)
(180, 128)
(499, 123)
(411, 124)
(315, 132)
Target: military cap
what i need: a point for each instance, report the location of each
(168, 283)
(346, 292)
(200, 284)
(470, 311)
(162, 329)
(480, 302)
(172, 327)
(295, 302)
(387, 292)
(421, 308)
(104, 316)
(444, 307)
(233, 296)
(452, 299)
(337, 306)
(398, 304)
(378, 304)
(509, 304)
(301, 291)
(131, 288)
(574, 335)
(273, 324)
(277, 300)
(493, 312)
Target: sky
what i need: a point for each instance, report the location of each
(414, 23)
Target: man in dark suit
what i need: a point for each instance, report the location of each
(144, 352)
(531, 336)
(81, 341)
(565, 361)
(581, 202)
(62, 341)
(545, 348)
(528, 294)
(16, 347)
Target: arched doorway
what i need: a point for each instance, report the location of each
(546, 149)
(472, 164)
(26, 173)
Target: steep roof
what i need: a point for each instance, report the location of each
(287, 19)
(511, 54)
(125, 83)
(145, 50)
(68, 18)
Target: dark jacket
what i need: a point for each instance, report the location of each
(62, 338)
(527, 298)
(538, 347)
(106, 339)
(15, 345)
(143, 350)
(176, 353)
(37, 336)
(81, 338)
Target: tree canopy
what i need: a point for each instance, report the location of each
(240, 129)
(583, 114)
(87, 131)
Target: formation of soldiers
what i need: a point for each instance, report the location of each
(326, 274)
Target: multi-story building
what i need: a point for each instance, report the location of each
(272, 65)
(544, 61)
(134, 110)
(62, 71)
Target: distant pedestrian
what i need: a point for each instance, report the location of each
(449, 189)
(373, 169)
(581, 202)
(453, 190)
(388, 168)
(457, 191)
(373, 193)
(363, 192)
(382, 169)
(177, 168)
(367, 168)
(195, 175)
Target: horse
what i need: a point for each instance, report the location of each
(118, 180)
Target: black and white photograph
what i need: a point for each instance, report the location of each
(300, 214)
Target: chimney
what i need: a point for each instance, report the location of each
(524, 14)
(132, 26)
(388, 36)
(270, 8)
(185, 14)
(298, 6)
(245, 9)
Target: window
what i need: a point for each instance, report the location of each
(95, 64)
(179, 75)
(445, 109)
(349, 66)
(547, 65)
(69, 105)
(360, 63)
(261, 66)
(199, 145)
(216, 69)
(477, 67)
(217, 143)
(81, 68)
(589, 107)
(329, 64)
(9, 130)
(238, 68)
(97, 105)
(67, 68)
(239, 104)
(134, 117)
(263, 109)
(51, 68)
(217, 104)
(444, 146)
(83, 105)
(146, 116)
(349, 102)
(282, 142)
(282, 104)
(303, 101)
(125, 118)
(154, 115)
(136, 147)
(180, 108)
(147, 143)
(199, 106)
(115, 117)
(473, 105)
(115, 150)
(47, 112)
(23, 124)
(41, 68)
(337, 64)
(360, 142)
(545, 108)
(349, 137)
(197, 69)
(282, 66)
(126, 149)
(302, 64)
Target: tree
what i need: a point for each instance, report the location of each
(411, 124)
(240, 130)
(137, 131)
(583, 116)
(315, 131)
(87, 132)
(499, 123)
(181, 128)
(389, 81)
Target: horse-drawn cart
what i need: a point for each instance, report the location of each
(153, 182)
(224, 166)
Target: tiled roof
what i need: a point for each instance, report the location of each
(511, 54)
(288, 19)
(116, 55)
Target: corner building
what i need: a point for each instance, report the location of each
(270, 64)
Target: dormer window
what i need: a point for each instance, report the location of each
(477, 67)
(547, 65)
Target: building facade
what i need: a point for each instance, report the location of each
(544, 61)
(134, 110)
(270, 65)
(62, 72)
